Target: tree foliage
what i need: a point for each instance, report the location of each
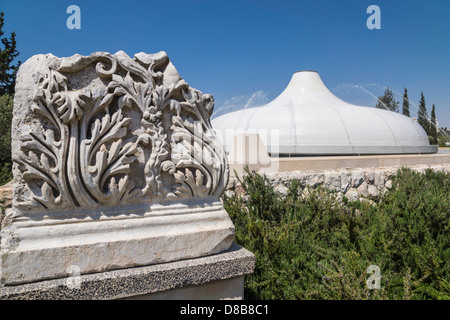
(405, 106)
(422, 114)
(6, 107)
(8, 71)
(8, 54)
(387, 101)
(433, 127)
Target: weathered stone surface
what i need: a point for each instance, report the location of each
(378, 180)
(352, 194)
(346, 180)
(363, 190)
(314, 180)
(115, 165)
(6, 195)
(281, 188)
(332, 180)
(439, 168)
(373, 191)
(388, 184)
(131, 282)
(357, 178)
(420, 168)
(446, 167)
(370, 177)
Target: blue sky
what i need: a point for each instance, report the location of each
(239, 50)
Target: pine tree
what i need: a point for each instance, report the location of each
(422, 114)
(8, 70)
(387, 101)
(405, 106)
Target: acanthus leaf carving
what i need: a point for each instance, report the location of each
(127, 135)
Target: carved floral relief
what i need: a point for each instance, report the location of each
(130, 131)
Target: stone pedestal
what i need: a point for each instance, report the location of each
(118, 175)
(112, 238)
(218, 276)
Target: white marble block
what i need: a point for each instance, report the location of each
(115, 165)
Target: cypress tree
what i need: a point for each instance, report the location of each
(405, 106)
(422, 115)
(433, 126)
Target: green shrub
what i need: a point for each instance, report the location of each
(6, 108)
(5, 173)
(316, 247)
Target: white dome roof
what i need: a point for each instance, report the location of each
(307, 119)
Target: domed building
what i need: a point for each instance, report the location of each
(306, 119)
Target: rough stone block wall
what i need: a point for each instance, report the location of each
(354, 183)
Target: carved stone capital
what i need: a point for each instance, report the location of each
(105, 138)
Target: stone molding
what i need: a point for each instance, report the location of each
(131, 282)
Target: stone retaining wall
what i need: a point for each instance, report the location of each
(351, 182)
